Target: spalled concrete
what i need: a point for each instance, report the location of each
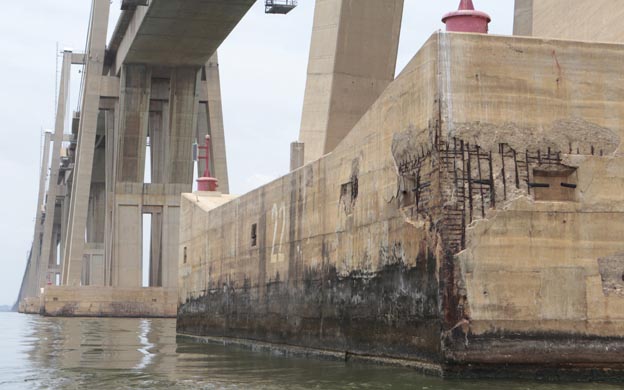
(448, 227)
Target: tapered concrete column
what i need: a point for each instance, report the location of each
(352, 60)
(79, 203)
(59, 129)
(210, 122)
(183, 103)
(32, 276)
(134, 103)
(523, 20)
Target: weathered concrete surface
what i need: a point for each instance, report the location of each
(583, 20)
(108, 302)
(332, 265)
(30, 305)
(435, 231)
(176, 32)
(352, 60)
(163, 92)
(527, 287)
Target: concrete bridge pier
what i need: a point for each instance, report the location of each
(141, 110)
(36, 248)
(160, 105)
(79, 201)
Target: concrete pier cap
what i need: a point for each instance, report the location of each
(467, 19)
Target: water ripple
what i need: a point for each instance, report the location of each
(79, 353)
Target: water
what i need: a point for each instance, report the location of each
(80, 353)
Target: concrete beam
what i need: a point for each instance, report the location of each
(177, 32)
(109, 87)
(78, 59)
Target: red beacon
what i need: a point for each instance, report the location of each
(207, 182)
(466, 19)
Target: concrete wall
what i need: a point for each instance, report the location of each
(334, 265)
(583, 20)
(440, 229)
(540, 270)
(108, 302)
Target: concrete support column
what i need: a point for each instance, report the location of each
(49, 236)
(110, 169)
(127, 239)
(297, 155)
(156, 258)
(578, 20)
(134, 101)
(352, 60)
(64, 223)
(74, 249)
(97, 199)
(211, 113)
(32, 276)
(158, 135)
(183, 103)
(127, 186)
(523, 21)
(170, 243)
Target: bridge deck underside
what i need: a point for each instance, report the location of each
(182, 32)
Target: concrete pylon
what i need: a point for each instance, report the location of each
(210, 122)
(31, 288)
(49, 236)
(161, 103)
(79, 202)
(581, 20)
(352, 60)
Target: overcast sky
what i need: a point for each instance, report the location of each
(263, 71)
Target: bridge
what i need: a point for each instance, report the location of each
(146, 97)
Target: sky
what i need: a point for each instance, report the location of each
(263, 67)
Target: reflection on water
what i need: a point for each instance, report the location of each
(79, 353)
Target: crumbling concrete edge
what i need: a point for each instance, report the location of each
(285, 350)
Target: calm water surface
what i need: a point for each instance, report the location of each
(45, 353)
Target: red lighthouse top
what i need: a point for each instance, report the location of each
(466, 19)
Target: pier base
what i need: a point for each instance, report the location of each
(87, 301)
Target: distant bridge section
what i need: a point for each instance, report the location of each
(174, 32)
